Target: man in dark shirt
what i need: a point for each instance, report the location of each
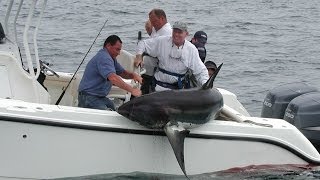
(199, 40)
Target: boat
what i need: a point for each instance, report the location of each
(42, 140)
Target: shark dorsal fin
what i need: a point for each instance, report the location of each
(209, 83)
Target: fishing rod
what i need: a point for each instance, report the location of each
(138, 85)
(139, 37)
(64, 91)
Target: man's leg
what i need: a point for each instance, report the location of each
(146, 84)
(81, 100)
(149, 64)
(94, 102)
(109, 104)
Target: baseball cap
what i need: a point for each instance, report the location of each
(201, 36)
(210, 65)
(180, 25)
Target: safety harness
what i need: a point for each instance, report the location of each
(183, 82)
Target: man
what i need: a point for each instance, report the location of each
(158, 19)
(211, 66)
(199, 40)
(101, 73)
(160, 27)
(176, 56)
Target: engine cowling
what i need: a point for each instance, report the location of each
(277, 100)
(304, 113)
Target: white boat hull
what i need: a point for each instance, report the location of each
(89, 142)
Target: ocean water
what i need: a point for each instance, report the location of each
(265, 172)
(262, 43)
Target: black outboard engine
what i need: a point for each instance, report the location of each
(304, 113)
(277, 100)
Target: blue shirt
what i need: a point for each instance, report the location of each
(94, 80)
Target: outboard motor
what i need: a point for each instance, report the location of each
(304, 113)
(277, 100)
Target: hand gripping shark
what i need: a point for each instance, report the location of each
(176, 111)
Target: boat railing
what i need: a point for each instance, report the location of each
(6, 19)
(33, 75)
(35, 35)
(15, 21)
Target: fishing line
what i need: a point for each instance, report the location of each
(64, 91)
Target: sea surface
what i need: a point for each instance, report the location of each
(262, 43)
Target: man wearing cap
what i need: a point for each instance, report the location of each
(176, 56)
(199, 40)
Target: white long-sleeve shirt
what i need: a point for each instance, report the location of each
(165, 30)
(161, 47)
(149, 63)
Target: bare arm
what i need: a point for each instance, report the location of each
(140, 49)
(138, 60)
(117, 81)
(131, 75)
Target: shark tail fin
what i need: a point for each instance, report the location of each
(176, 135)
(209, 83)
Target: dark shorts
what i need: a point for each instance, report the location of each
(95, 102)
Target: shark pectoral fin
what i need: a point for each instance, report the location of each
(176, 135)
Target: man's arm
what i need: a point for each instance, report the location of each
(140, 49)
(138, 60)
(131, 75)
(117, 81)
(149, 46)
(196, 65)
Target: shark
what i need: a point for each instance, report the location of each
(176, 112)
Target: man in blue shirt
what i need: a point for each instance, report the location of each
(103, 71)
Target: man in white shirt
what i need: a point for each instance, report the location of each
(176, 56)
(158, 19)
(160, 27)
